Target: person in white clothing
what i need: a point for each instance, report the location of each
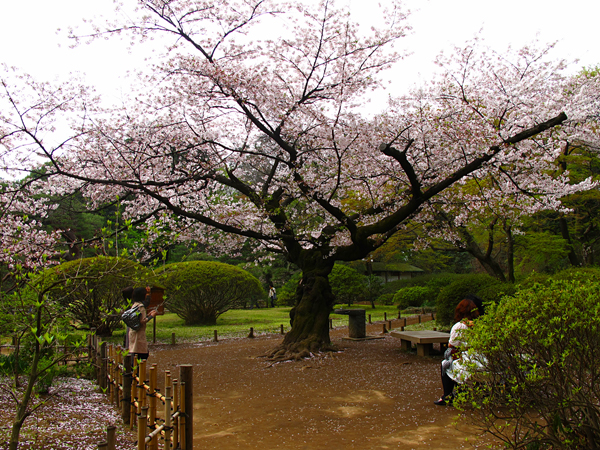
(464, 314)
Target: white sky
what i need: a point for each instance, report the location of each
(30, 42)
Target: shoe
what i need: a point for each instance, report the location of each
(440, 402)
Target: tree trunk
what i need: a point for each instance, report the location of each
(564, 231)
(310, 316)
(486, 259)
(510, 253)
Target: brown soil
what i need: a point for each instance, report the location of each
(370, 395)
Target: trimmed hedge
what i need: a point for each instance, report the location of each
(200, 291)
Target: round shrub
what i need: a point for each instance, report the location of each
(453, 293)
(89, 289)
(413, 296)
(200, 291)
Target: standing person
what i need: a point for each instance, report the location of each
(272, 295)
(138, 345)
(464, 314)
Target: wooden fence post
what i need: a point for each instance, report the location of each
(102, 373)
(152, 402)
(330, 323)
(251, 335)
(186, 372)
(172, 338)
(282, 329)
(126, 403)
(142, 423)
(385, 317)
(216, 338)
(111, 437)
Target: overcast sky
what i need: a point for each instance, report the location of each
(30, 41)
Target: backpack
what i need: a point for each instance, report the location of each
(131, 317)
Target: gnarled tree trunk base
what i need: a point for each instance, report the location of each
(299, 350)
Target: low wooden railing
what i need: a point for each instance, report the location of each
(163, 420)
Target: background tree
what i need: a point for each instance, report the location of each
(332, 184)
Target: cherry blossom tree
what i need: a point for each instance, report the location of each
(235, 136)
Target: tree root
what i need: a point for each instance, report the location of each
(297, 352)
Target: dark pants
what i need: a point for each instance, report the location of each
(448, 385)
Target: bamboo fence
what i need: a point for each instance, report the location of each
(163, 421)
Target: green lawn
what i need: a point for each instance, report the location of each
(237, 323)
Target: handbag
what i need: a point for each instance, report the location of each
(131, 317)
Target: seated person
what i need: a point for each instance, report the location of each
(464, 314)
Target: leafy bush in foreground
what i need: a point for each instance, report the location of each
(538, 387)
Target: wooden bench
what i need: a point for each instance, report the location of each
(423, 339)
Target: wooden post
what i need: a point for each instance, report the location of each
(154, 331)
(186, 372)
(385, 317)
(389, 325)
(282, 329)
(102, 373)
(399, 314)
(182, 418)
(152, 410)
(111, 437)
(126, 403)
(133, 394)
(167, 415)
(370, 318)
(251, 335)
(172, 338)
(103, 446)
(216, 338)
(331, 323)
(404, 324)
(384, 329)
(141, 434)
(176, 423)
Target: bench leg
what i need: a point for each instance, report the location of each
(405, 345)
(423, 349)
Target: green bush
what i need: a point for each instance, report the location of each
(286, 295)
(413, 296)
(89, 289)
(200, 291)
(538, 383)
(453, 293)
(347, 284)
(385, 299)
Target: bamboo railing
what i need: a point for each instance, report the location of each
(163, 420)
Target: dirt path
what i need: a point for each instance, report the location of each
(369, 396)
